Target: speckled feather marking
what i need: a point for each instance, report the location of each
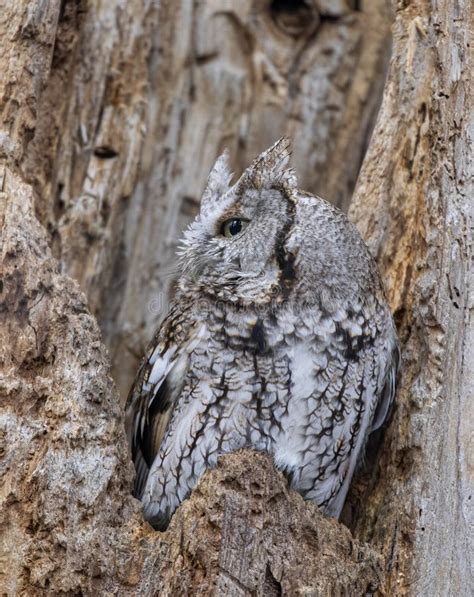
(279, 340)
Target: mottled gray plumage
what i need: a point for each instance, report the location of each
(279, 338)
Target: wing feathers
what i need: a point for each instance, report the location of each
(154, 394)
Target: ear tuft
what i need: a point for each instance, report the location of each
(270, 168)
(217, 182)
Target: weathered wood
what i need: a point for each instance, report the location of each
(110, 115)
(263, 539)
(414, 205)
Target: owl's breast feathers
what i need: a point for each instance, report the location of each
(307, 386)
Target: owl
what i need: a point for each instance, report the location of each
(279, 339)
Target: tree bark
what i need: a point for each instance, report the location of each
(414, 206)
(111, 115)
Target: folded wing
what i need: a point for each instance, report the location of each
(156, 389)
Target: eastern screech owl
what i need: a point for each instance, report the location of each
(279, 339)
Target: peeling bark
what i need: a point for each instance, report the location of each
(110, 116)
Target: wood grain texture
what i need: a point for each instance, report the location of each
(414, 205)
(110, 116)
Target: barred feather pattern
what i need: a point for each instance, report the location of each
(281, 341)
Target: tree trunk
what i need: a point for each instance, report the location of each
(414, 206)
(111, 115)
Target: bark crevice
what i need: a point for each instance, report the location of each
(99, 171)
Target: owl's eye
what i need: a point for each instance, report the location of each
(233, 227)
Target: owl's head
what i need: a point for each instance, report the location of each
(234, 249)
